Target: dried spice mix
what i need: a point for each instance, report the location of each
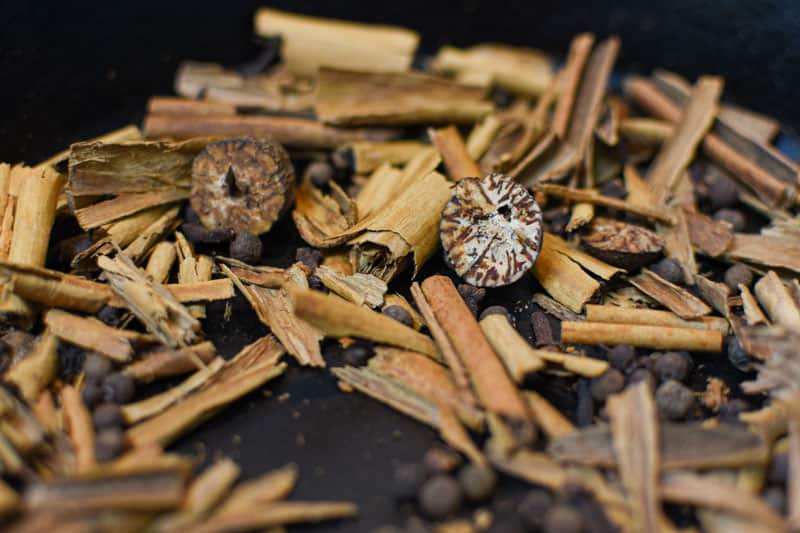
(594, 293)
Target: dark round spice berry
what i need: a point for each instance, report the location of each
(472, 296)
(722, 192)
(502, 98)
(669, 269)
(70, 359)
(107, 415)
(441, 460)
(194, 232)
(610, 382)
(613, 189)
(671, 365)
(673, 400)
(440, 496)
(320, 173)
(736, 275)
(310, 257)
(109, 315)
(109, 444)
(562, 519)
(729, 411)
(357, 354)
(734, 217)
(91, 393)
(775, 497)
(408, 479)
(396, 312)
(477, 482)
(96, 367)
(343, 160)
(737, 356)
(622, 357)
(190, 215)
(642, 374)
(246, 247)
(218, 236)
(533, 507)
(118, 388)
(778, 471)
(497, 310)
(314, 283)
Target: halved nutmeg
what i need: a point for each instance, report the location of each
(242, 184)
(621, 244)
(491, 230)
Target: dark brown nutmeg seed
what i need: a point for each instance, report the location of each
(621, 244)
(491, 230)
(243, 184)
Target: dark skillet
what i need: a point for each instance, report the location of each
(69, 72)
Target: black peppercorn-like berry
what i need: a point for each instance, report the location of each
(477, 482)
(314, 283)
(310, 257)
(396, 312)
(92, 393)
(109, 315)
(109, 444)
(613, 189)
(737, 356)
(622, 357)
(194, 232)
(408, 479)
(722, 192)
(343, 160)
(357, 354)
(672, 365)
(497, 310)
(562, 519)
(107, 415)
(673, 400)
(533, 508)
(734, 217)
(737, 275)
(70, 359)
(96, 367)
(669, 269)
(320, 173)
(118, 388)
(440, 496)
(246, 247)
(642, 374)
(472, 296)
(610, 382)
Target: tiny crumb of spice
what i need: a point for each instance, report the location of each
(491, 230)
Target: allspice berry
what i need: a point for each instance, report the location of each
(610, 382)
(673, 400)
(440, 496)
(477, 482)
(244, 184)
(246, 247)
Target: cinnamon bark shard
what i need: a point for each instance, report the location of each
(676, 299)
(710, 237)
(491, 230)
(338, 318)
(682, 446)
(492, 384)
(519, 70)
(676, 153)
(358, 98)
(308, 43)
(636, 443)
(161, 313)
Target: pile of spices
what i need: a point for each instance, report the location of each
(657, 228)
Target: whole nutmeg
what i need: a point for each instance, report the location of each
(491, 230)
(244, 184)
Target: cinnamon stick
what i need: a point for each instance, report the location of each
(642, 336)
